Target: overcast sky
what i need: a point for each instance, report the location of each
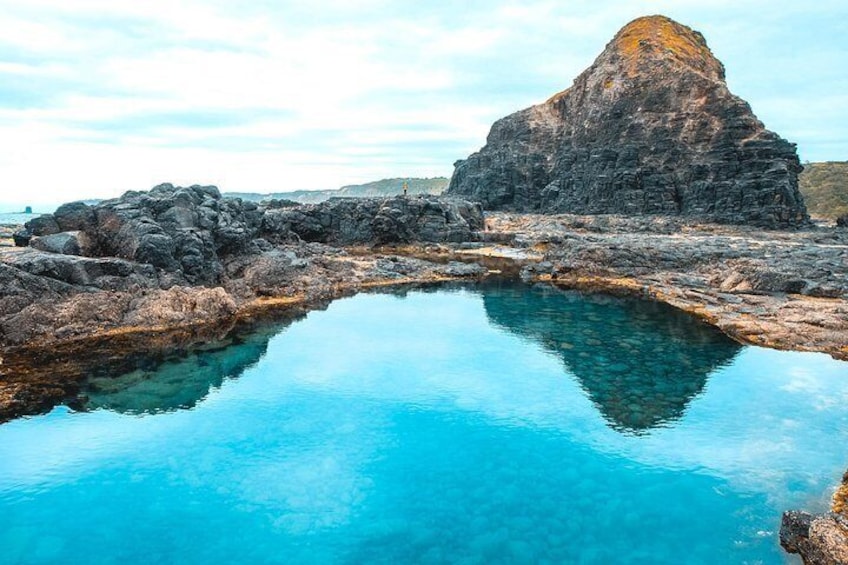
(102, 96)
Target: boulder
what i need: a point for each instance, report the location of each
(22, 237)
(85, 273)
(42, 225)
(74, 216)
(65, 243)
(183, 231)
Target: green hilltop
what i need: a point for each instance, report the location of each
(384, 187)
(825, 188)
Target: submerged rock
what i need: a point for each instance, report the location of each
(627, 355)
(649, 128)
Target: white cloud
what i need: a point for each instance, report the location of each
(325, 95)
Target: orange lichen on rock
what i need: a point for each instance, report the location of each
(840, 497)
(658, 37)
(558, 96)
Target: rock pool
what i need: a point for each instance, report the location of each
(497, 423)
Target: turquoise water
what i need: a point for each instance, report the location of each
(16, 218)
(480, 425)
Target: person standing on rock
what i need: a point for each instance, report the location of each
(405, 188)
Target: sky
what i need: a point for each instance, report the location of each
(102, 96)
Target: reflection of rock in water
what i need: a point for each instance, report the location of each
(640, 362)
(180, 382)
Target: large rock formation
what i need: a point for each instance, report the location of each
(649, 128)
(179, 256)
(184, 235)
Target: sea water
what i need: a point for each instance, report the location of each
(497, 424)
(16, 218)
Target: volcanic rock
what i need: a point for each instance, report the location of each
(67, 243)
(21, 238)
(74, 216)
(649, 128)
(186, 233)
(183, 256)
(401, 219)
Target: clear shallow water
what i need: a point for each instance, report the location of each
(474, 426)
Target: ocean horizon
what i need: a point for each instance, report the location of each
(13, 213)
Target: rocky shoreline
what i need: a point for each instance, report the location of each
(780, 289)
(819, 540)
(184, 258)
(172, 267)
(99, 289)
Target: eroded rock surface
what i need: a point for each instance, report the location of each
(781, 289)
(649, 128)
(819, 540)
(176, 256)
(350, 221)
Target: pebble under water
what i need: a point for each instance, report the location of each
(490, 424)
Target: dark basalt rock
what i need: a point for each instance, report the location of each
(74, 216)
(401, 219)
(183, 231)
(187, 234)
(66, 243)
(85, 273)
(842, 221)
(42, 225)
(649, 128)
(21, 238)
(794, 528)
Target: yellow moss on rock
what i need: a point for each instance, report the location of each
(840, 497)
(659, 34)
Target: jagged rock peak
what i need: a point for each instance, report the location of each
(649, 128)
(661, 38)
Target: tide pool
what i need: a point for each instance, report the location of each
(491, 424)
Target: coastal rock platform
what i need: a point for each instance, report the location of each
(781, 289)
(102, 289)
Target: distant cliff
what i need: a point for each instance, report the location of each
(649, 128)
(380, 188)
(825, 188)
